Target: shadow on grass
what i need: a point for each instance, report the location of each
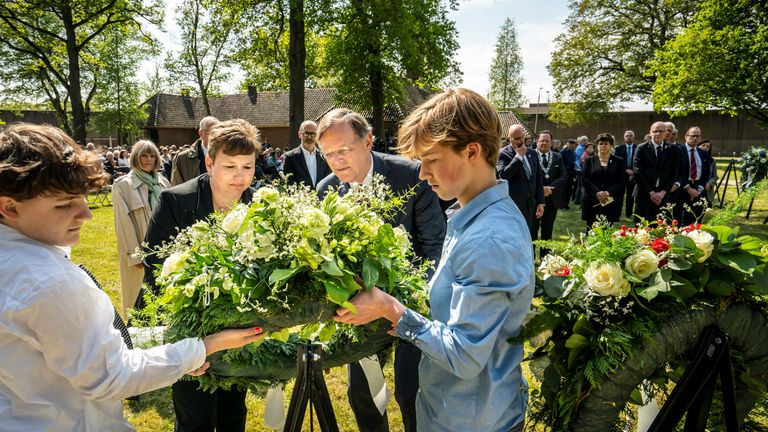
(158, 401)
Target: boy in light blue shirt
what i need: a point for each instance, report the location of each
(470, 376)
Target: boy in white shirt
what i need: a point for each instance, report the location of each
(62, 364)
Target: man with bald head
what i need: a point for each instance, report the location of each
(304, 164)
(519, 166)
(655, 172)
(627, 152)
(693, 175)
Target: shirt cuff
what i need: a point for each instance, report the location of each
(191, 352)
(410, 325)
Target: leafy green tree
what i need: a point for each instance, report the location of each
(379, 45)
(48, 49)
(720, 60)
(202, 61)
(117, 104)
(506, 78)
(278, 49)
(601, 60)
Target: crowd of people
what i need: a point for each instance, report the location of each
(453, 370)
(659, 177)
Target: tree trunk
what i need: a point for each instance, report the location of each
(377, 98)
(297, 54)
(79, 114)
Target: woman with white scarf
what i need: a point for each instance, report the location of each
(135, 197)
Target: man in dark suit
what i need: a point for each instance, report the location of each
(569, 161)
(519, 166)
(693, 175)
(346, 141)
(655, 172)
(555, 180)
(627, 152)
(304, 163)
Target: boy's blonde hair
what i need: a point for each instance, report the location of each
(42, 160)
(453, 118)
(234, 138)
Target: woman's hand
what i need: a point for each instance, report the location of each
(231, 338)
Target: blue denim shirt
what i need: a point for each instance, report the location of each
(469, 376)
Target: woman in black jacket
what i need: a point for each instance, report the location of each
(232, 150)
(602, 177)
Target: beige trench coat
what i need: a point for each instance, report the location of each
(132, 214)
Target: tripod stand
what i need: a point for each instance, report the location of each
(310, 387)
(693, 394)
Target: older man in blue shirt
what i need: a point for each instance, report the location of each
(470, 375)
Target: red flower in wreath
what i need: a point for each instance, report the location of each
(565, 271)
(663, 262)
(660, 245)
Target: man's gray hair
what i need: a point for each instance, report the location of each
(306, 123)
(582, 139)
(357, 122)
(208, 122)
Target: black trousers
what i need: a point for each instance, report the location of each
(687, 216)
(547, 224)
(201, 411)
(368, 419)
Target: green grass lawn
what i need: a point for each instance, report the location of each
(153, 412)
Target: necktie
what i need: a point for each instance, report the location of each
(527, 168)
(693, 166)
(658, 153)
(629, 156)
(546, 161)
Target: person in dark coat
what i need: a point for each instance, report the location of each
(519, 166)
(655, 173)
(346, 140)
(304, 164)
(232, 150)
(603, 179)
(569, 161)
(555, 180)
(693, 176)
(627, 152)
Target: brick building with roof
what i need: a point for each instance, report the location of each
(173, 119)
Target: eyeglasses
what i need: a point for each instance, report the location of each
(340, 153)
(310, 134)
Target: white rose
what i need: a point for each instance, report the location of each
(763, 160)
(174, 263)
(606, 280)
(642, 264)
(234, 219)
(267, 194)
(704, 241)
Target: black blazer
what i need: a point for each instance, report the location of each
(569, 160)
(594, 179)
(558, 179)
(294, 164)
(684, 168)
(179, 207)
(621, 151)
(651, 174)
(421, 215)
(527, 194)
